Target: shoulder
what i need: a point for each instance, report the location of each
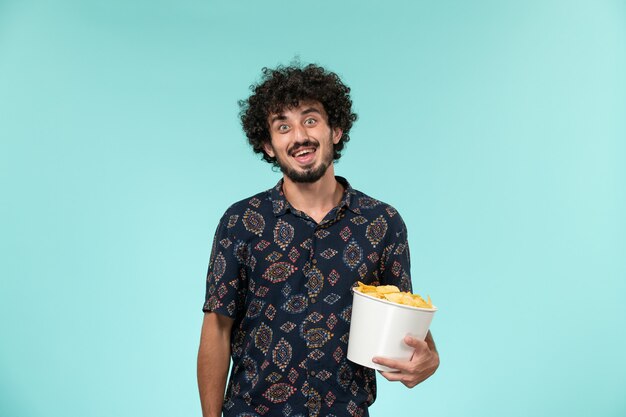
(373, 209)
(248, 215)
(259, 203)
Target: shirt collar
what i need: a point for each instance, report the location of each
(280, 204)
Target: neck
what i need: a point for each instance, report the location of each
(315, 199)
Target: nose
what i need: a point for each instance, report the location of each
(301, 133)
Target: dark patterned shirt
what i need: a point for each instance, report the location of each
(286, 281)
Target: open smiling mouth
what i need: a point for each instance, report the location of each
(304, 156)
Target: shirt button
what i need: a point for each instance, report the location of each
(314, 261)
(311, 373)
(313, 300)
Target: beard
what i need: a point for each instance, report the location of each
(310, 174)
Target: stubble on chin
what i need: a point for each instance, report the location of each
(307, 176)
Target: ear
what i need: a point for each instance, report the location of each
(267, 147)
(337, 134)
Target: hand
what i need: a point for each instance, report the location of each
(422, 365)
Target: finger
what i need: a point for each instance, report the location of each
(392, 376)
(415, 343)
(391, 363)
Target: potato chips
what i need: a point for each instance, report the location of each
(393, 294)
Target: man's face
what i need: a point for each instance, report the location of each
(302, 141)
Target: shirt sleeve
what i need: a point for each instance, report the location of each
(395, 266)
(227, 275)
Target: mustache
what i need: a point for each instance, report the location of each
(307, 143)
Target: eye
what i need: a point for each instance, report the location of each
(283, 128)
(310, 121)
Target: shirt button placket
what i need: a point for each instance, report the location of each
(313, 261)
(312, 301)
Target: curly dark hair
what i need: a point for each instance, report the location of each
(285, 87)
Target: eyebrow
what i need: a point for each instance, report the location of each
(282, 116)
(311, 110)
(278, 117)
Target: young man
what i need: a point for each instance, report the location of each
(278, 298)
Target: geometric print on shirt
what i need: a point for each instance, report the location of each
(286, 281)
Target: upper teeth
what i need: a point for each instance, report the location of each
(304, 152)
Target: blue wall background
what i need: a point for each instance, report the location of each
(497, 129)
